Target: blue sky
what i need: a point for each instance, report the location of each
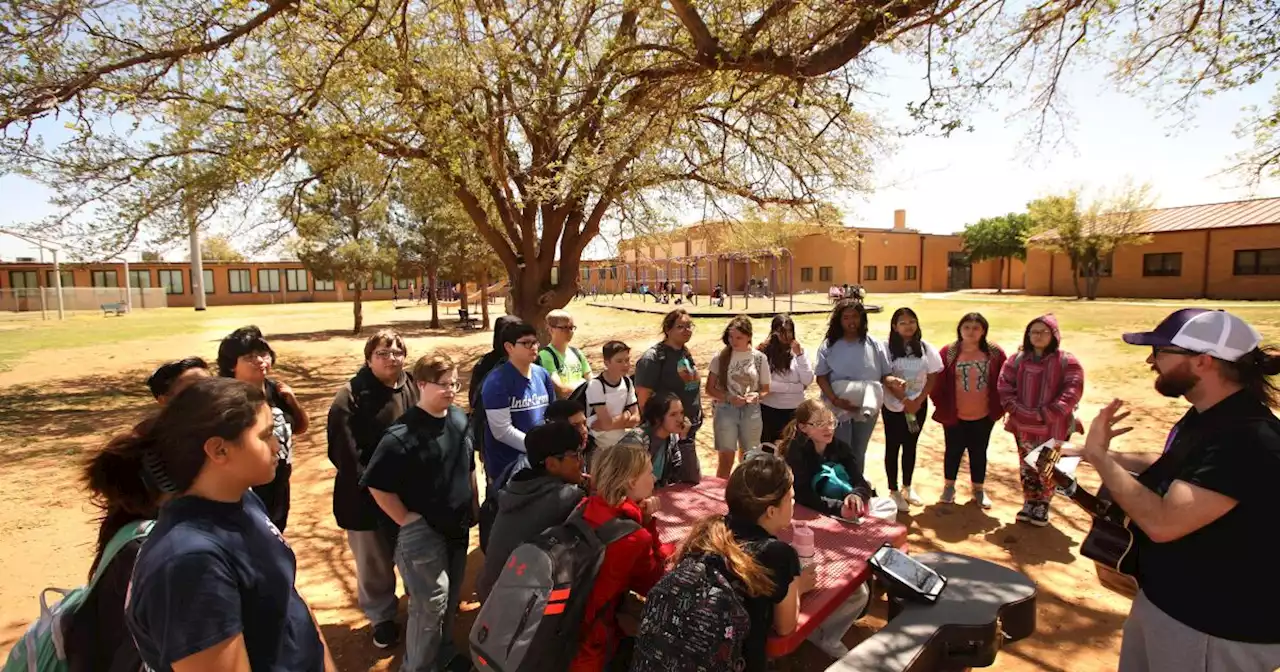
(945, 183)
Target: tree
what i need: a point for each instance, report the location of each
(1090, 236)
(151, 255)
(342, 224)
(998, 238)
(545, 118)
(218, 248)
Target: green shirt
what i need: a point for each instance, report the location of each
(570, 369)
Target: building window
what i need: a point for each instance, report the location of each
(24, 283)
(171, 280)
(825, 274)
(1162, 264)
(586, 274)
(911, 272)
(140, 279)
(890, 272)
(1104, 266)
(238, 281)
(403, 283)
(208, 282)
(806, 274)
(1258, 262)
(869, 273)
(104, 279)
(68, 279)
(295, 279)
(381, 280)
(323, 285)
(268, 280)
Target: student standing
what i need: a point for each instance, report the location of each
(906, 409)
(245, 355)
(569, 368)
(1039, 389)
(849, 355)
(173, 377)
(422, 475)
(213, 587)
(539, 497)
(668, 366)
(790, 374)
(611, 397)
(622, 479)
(362, 410)
(737, 379)
(966, 403)
(515, 397)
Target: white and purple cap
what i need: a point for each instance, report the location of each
(1216, 333)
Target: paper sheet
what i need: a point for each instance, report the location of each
(1066, 465)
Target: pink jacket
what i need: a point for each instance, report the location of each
(1041, 395)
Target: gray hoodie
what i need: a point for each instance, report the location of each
(530, 503)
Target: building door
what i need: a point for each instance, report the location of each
(959, 271)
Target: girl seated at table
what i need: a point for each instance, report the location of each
(826, 473)
(663, 423)
(622, 476)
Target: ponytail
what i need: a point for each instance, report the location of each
(118, 485)
(1255, 371)
(711, 536)
(784, 440)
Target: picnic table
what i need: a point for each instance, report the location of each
(841, 550)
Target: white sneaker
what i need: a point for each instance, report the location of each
(912, 497)
(899, 501)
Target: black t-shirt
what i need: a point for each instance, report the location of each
(212, 570)
(783, 565)
(1208, 580)
(428, 461)
(664, 369)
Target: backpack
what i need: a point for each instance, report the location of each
(489, 510)
(42, 648)
(533, 617)
(580, 392)
(555, 357)
(694, 621)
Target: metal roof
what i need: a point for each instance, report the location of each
(1210, 216)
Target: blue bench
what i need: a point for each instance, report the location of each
(117, 308)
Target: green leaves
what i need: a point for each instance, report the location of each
(997, 237)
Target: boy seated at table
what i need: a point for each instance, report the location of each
(536, 498)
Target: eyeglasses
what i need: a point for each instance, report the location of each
(685, 327)
(256, 356)
(524, 343)
(1040, 332)
(821, 425)
(1157, 350)
(571, 327)
(389, 354)
(454, 386)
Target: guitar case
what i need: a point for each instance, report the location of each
(983, 605)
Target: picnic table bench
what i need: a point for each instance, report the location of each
(467, 320)
(117, 308)
(841, 550)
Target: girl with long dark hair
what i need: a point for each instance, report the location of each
(852, 372)
(906, 410)
(966, 403)
(737, 380)
(790, 374)
(213, 587)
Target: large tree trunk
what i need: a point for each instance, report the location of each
(357, 309)
(1000, 278)
(484, 297)
(462, 297)
(435, 302)
(1075, 280)
(1091, 285)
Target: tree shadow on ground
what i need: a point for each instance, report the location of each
(407, 329)
(40, 422)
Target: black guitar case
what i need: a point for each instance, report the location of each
(982, 605)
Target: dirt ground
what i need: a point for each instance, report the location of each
(56, 404)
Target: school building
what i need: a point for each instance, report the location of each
(883, 260)
(1216, 251)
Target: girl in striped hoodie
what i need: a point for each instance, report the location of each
(1039, 389)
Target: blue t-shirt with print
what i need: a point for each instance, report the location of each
(210, 571)
(527, 399)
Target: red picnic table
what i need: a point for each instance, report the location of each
(841, 549)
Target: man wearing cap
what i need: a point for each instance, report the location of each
(1209, 596)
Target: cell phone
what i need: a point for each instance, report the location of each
(908, 573)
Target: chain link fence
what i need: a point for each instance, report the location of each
(44, 300)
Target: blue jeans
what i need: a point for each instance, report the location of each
(737, 428)
(432, 569)
(858, 435)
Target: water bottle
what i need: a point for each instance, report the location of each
(913, 425)
(802, 541)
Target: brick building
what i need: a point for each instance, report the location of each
(1217, 251)
(896, 259)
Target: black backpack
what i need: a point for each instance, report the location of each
(533, 617)
(694, 621)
